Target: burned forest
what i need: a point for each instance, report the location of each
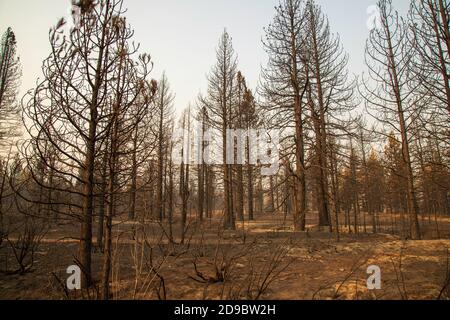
(305, 181)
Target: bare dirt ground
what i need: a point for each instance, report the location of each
(264, 259)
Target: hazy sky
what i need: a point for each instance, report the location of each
(181, 35)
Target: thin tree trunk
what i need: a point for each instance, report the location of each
(250, 184)
(103, 195)
(133, 187)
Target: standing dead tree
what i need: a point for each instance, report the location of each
(129, 105)
(330, 98)
(391, 101)
(164, 104)
(143, 144)
(250, 121)
(430, 36)
(202, 165)
(284, 86)
(70, 109)
(186, 152)
(10, 73)
(220, 102)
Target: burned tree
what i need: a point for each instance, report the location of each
(10, 74)
(390, 101)
(219, 101)
(70, 109)
(284, 87)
